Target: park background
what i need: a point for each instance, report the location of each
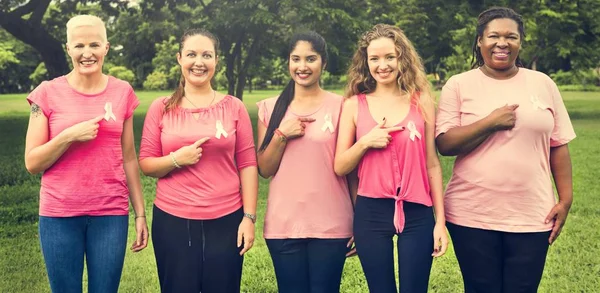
(563, 41)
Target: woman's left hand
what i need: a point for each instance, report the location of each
(558, 214)
(141, 232)
(245, 235)
(440, 240)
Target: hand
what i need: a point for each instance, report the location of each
(352, 247)
(141, 231)
(559, 214)
(440, 240)
(379, 137)
(293, 128)
(504, 118)
(84, 131)
(190, 154)
(245, 235)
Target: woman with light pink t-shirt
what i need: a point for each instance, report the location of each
(80, 136)
(509, 129)
(308, 224)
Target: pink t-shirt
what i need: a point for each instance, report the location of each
(504, 184)
(306, 198)
(210, 188)
(398, 171)
(88, 179)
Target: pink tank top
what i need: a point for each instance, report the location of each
(398, 171)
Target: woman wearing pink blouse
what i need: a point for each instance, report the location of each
(386, 131)
(80, 136)
(199, 144)
(509, 129)
(308, 223)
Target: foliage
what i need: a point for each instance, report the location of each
(40, 74)
(156, 80)
(121, 72)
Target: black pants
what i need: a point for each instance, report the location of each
(197, 255)
(499, 262)
(373, 234)
(308, 265)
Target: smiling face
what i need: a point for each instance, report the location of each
(198, 60)
(87, 47)
(305, 64)
(500, 44)
(382, 59)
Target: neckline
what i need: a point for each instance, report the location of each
(326, 96)
(196, 110)
(108, 82)
(519, 72)
(377, 123)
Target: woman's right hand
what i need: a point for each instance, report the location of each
(504, 118)
(190, 154)
(379, 137)
(293, 128)
(84, 131)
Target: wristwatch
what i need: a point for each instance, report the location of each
(251, 217)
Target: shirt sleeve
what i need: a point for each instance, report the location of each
(151, 144)
(448, 115)
(245, 154)
(563, 131)
(132, 102)
(39, 97)
(263, 112)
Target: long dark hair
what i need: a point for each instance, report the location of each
(287, 95)
(180, 90)
(482, 22)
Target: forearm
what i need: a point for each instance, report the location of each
(269, 159)
(249, 181)
(462, 140)
(135, 185)
(157, 166)
(352, 179)
(560, 165)
(347, 161)
(40, 158)
(434, 174)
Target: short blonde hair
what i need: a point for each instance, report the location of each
(86, 20)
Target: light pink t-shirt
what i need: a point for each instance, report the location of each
(88, 179)
(504, 184)
(398, 171)
(210, 188)
(306, 198)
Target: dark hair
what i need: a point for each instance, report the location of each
(482, 23)
(180, 90)
(287, 95)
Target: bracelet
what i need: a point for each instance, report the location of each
(174, 161)
(251, 217)
(281, 135)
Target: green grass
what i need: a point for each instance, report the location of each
(573, 263)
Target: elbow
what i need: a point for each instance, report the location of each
(444, 147)
(32, 168)
(445, 151)
(339, 170)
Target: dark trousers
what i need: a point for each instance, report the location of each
(308, 265)
(499, 262)
(197, 255)
(373, 233)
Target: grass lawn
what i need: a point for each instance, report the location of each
(573, 263)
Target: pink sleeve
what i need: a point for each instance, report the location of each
(38, 96)
(132, 102)
(448, 115)
(563, 131)
(263, 112)
(245, 155)
(151, 145)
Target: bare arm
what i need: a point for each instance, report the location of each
(161, 166)
(560, 165)
(434, 169)
(268, 160)
(348, 152)
(352, 179)
(130, 165)
(41, 154)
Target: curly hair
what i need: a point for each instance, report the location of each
(411, 78)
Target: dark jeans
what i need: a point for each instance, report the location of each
(65, 242)
(197, 255)
(373, 233)
(308, 265)
(499, 262)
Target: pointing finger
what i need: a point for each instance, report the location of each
(394, 129)
(306, 119)
(199, 142)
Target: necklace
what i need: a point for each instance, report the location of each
(211, 101)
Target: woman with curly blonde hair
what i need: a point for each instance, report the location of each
(387, 131)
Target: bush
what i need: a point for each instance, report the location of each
(121, 72)
(40, 74)
(576, 77)
(579, 88)
(156, 80)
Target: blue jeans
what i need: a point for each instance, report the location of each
(65, 242)
(373, 234)
(308, 265)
